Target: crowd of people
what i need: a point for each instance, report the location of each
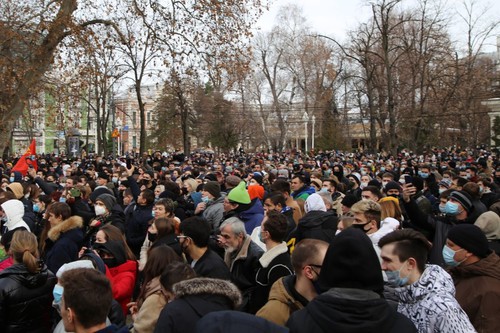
(263, 242)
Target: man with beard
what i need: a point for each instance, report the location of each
(194, 236)
(241, 256)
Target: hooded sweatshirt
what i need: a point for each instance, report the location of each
(431, 305)
(14, 211)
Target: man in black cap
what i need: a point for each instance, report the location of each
(351, 300)
(476, 274)
(457, 209)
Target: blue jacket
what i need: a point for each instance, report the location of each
(63, 243)
(253, 216)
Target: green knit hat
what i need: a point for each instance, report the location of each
(239, 194)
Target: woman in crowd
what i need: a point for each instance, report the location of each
(121, 272)
(151, 299)
(64, 238)
(163, 208)
(25, 288)
(191, 197)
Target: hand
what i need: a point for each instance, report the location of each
(132, 307)
(130, 171)
(200, 207)
(408, 191)
(94, 223)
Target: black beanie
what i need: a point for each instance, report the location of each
(470, 238)
(213, 188)
(339, 270)
(392, 185)
(108, 200)
(464, 199)
(349, 200)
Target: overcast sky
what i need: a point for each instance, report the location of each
(335, 17)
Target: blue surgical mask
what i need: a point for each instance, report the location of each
(205, 199)
(57, 292)
(62, 199)
(153, 213)
(394, 278)
(11, 179)
(442, 208)
(36, 208)
(382, 169)
(423, 175)
(449, 257)
(441, 190)
(451, 208)
(114, 179)
(324, 189)
(260, 237)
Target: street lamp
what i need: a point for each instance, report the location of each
(306, 120)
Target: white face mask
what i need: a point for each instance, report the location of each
(100, 210)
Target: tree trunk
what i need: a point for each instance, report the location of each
(35, 66)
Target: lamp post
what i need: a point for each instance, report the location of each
(312, 134)
(306, 120)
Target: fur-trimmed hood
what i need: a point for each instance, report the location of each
(72, 223)
(208, 286)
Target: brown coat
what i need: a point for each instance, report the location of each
(478, 292)
(150, 308)
(280, 304)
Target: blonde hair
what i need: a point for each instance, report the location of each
(390, 209)
(24, 249)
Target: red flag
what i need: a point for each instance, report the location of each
(28, 158)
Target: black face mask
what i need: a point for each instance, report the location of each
(110, 262)
(152, 237)
(184, 191)
(360, 226)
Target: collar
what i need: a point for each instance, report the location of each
(268, 256)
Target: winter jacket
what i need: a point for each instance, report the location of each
(235, 321)
(478, 292)
(25, 300)
(431, 305)
(211, 265)
(349, 311)
(283, 301)
(63, 243)
(214, 212)
(14, 211)
(317, 224)
(274, 264)
(122, 278)
(150, 308)
(137, 226)
(303, 193)
(195, 298)
(243, 266)
(253, 216)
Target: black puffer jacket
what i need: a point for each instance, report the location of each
(195, 298)
(25, 300)
(317, 225)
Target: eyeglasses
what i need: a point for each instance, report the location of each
(181, 237)
(313, 265)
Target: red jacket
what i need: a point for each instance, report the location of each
(9, 261)
(122, 279)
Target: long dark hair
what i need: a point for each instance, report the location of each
(158, 259)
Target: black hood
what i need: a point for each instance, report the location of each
(20, 273)
(315, 218)
(334, 314)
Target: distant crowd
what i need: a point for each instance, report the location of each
(327, 241)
